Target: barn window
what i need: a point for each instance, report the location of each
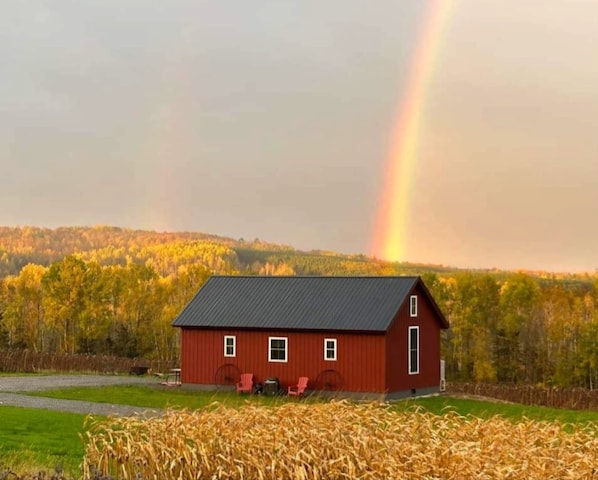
(330, 349)
(413, 350)
(413, 305)
(278, 351)
(230, 346)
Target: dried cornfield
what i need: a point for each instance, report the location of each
(337, 440)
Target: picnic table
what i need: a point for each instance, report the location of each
(172, 378)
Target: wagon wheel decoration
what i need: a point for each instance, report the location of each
(226, 375)
(329, 380)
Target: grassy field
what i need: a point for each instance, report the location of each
(32, 439)
(151, 396)
(488, 408)
(155, 396)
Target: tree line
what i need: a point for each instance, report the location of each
(105, 290)
(77, 306)
(20, 246)
(520, 329)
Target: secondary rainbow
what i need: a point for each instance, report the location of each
(390, 237)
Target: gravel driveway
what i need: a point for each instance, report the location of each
(9, 386)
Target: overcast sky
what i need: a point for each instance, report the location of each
(273, 119)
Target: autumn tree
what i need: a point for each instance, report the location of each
(518, 304)
(23, 315)
(64, 302)
(472, 310)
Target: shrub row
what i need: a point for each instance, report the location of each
(25, 361)
(554, 397)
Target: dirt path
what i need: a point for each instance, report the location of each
(11, 385)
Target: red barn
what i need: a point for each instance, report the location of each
(363, 336)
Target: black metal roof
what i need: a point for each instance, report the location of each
(303, 303)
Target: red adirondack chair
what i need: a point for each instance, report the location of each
(246, 383)
(297, 390)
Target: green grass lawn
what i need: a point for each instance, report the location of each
(32, 439)
(488, 408)
(155, 396)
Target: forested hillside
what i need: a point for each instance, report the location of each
(116, 291)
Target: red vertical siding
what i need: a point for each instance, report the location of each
(397, 364)
(360, 358)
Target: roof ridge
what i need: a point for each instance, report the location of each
(316, 276)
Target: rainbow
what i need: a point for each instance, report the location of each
(167, 148)
(390, 238)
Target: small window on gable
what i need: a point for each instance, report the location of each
(413, 305)
(278, 349)
(330, 349)
(230, 346)
(413, 350)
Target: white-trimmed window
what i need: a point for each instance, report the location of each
(330, 349)
(413, 305)
(230, 346)
(278, 349)
(413, 350)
